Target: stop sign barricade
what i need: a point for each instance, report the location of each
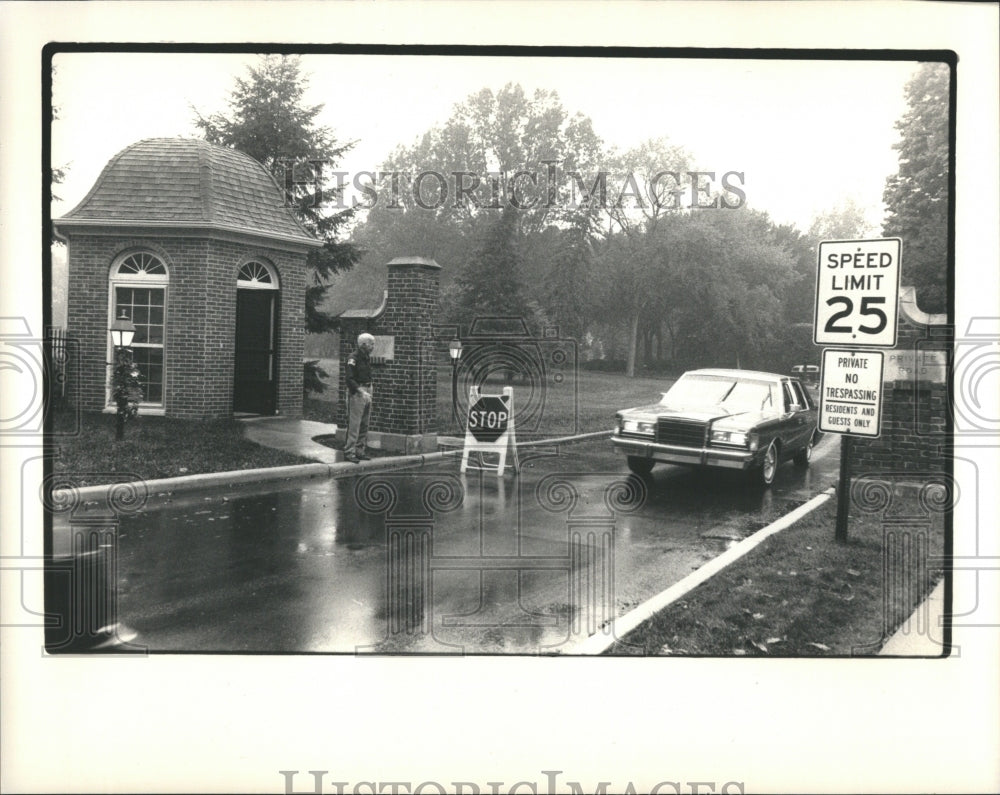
(489, 428)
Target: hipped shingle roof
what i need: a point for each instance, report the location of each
(181, 182)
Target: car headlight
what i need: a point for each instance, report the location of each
(734, 438)
(638, 426)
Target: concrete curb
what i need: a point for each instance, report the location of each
(212, 480)
(621, 626)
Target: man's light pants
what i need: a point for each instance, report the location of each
(359, 408)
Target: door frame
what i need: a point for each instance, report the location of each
(264, 279)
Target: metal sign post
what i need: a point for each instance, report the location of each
(843, 490)
(850, 403)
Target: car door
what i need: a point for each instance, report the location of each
(798, 424)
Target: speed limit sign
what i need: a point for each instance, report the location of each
(857, 292)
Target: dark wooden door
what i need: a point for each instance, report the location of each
(255, 387)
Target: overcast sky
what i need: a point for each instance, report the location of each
(807, 134)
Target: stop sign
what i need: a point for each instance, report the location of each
(488, 418)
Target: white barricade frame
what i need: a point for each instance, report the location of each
(479, 417)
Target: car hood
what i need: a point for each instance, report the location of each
(730, 419)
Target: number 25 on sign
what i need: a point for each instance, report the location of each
(857, 291)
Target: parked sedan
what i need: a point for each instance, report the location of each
(733, 419)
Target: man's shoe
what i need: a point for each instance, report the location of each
(364, 457)
(352, 458)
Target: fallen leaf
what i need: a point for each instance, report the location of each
(773, 640)
(739, 652)
(854, 573)
(759, 646)
(822, 646)
(758, 616)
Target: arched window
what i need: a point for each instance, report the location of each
(138, 284)
(256, 275)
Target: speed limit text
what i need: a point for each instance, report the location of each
(858, 260)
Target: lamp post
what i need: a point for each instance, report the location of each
(122, 331)
(455, 352)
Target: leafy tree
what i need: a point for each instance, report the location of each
(57, 175)
(637, 259)
(800, 291)
(268, 119)
(735, 269)
(562, 267)
(506, 150)
(843, 222)
(917, 196)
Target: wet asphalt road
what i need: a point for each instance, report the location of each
(432, 561)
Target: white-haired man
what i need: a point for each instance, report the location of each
(359, 398)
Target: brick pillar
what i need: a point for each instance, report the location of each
(916, 440)
(404, 414)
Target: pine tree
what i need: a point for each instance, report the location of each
(491, 284)
(268, 119)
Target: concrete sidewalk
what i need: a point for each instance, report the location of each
(293, 436)
(919, 635)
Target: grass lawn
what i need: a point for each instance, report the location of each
(802, 594)
(154, 447)
(587, 404)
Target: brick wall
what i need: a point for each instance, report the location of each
(404, 388)
(200, 337)
(916, 421)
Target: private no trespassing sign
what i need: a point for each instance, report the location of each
(851, 392)
(857, 292)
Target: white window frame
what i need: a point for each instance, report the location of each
(248, 284)
(139, 281)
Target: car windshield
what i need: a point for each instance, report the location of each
(701, 391)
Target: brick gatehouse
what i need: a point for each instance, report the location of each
(194, 243)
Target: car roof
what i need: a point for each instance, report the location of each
(750, 374)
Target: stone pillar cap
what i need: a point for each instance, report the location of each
(419, 262)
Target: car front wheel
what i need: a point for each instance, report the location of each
(640, 466)
(768, 466)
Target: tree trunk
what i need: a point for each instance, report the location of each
(633, 344)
